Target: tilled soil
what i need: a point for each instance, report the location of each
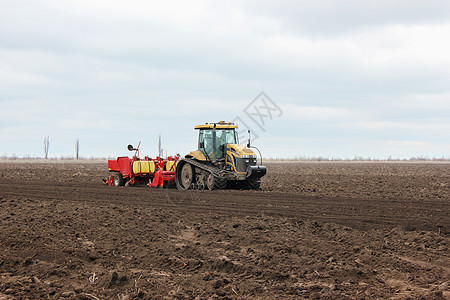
(316, 230)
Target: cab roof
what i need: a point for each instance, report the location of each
(220, 125)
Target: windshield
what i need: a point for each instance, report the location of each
(223, 137)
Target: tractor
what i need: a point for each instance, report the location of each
(220, 162)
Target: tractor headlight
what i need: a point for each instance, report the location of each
(248, 156)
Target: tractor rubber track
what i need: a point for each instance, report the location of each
(219, 173)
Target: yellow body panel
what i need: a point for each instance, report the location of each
(197, 154)
(143, 167)
(238, 151)
(241, 149)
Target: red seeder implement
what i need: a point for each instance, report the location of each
(158, 172)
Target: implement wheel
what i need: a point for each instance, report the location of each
(118, 180)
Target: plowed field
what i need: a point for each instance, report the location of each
(316, 230)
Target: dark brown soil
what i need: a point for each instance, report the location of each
(317, 230)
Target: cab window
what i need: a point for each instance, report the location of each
(223, 137)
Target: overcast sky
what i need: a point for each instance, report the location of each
(340, 78)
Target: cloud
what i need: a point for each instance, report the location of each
(349, 148)
(330, 18)
(409, 144)
(387, 125)
(314, 113)
(112, 72)
(382, 51)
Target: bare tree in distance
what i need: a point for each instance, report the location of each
(46, 146)
(160, 150)
(77, 147)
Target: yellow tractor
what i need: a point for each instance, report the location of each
(220, 161)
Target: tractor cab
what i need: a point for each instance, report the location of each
(212, 142)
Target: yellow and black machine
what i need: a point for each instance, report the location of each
(220, 162)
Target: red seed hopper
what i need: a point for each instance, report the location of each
(157, 172)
